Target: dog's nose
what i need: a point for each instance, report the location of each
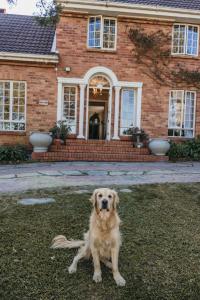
(104, 204)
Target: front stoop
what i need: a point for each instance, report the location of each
(95, 150)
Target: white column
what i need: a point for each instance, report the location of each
(139, 107)
(59, 102)
(81, 111)
(116, 120)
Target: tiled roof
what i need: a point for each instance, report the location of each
(186, 4)
(23, 34)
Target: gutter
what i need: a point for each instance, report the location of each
(128, 9)
(25, 57)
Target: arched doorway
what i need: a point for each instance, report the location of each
(99, 90)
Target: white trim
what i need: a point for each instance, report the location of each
(130, 9)
(114, 83)
(127, 84)
(53, 58)
(109, 120)
(81, 111)
(139, 107)
(53, 48)
(185, 40)
(195, 107)
(116, 118)
(87, 113)
(59, 101)
(103, 71)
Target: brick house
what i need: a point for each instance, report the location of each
(84, 72)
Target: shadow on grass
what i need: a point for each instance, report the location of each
(159, 258)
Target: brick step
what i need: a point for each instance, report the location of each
(97, 149)
(85, 156)
(97, 142)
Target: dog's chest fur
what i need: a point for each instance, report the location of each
(104, 243)
(105, 235)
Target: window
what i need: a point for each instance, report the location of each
(185, 39)
(69, 107)
(182, 113)
(127, 111)
(102, 33)
(12, 105)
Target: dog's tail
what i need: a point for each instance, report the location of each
(60, 242)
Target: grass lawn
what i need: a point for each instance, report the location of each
(159, 258)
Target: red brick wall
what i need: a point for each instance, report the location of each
(72, 45)
(41, 84)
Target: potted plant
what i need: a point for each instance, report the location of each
(139, 136)
(159, 146)
(40, 141)
(60, 132)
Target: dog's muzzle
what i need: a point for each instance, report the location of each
(104, 204)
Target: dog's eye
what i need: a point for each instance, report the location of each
(109, 196)
(100, 195)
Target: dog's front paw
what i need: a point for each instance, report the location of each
(72, 269)
(97, 277)
(120, 281)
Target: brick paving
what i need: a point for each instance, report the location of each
(16, 178)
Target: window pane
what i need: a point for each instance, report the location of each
(127, 110)
(181, 113)
(69, 106)
(10, 110)
(94, 40)
(175, 109)
(192, 40)
(189, 110)
(179, 41)
(109, 35)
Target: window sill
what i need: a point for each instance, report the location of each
(180, 138)
(102, 50)
(23, 133)
(185, 56)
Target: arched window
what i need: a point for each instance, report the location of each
(98, 83)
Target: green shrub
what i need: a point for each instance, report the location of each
(16, 153)
(60, 130)
(188, 150)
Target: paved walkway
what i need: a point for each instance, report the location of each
(47, 175)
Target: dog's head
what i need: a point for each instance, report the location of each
(104, 200)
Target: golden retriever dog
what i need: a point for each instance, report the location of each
(103, 239)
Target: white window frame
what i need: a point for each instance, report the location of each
(184, 92)
(134, 112)
(62, 109)
(11, 106)
(101, 33)
(185, 40)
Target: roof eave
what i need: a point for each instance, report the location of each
(26, 57)
(128, 9)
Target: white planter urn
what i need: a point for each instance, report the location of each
(159, 146)
(40, 141)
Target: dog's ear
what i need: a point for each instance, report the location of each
(115, 199)
(93, 198)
